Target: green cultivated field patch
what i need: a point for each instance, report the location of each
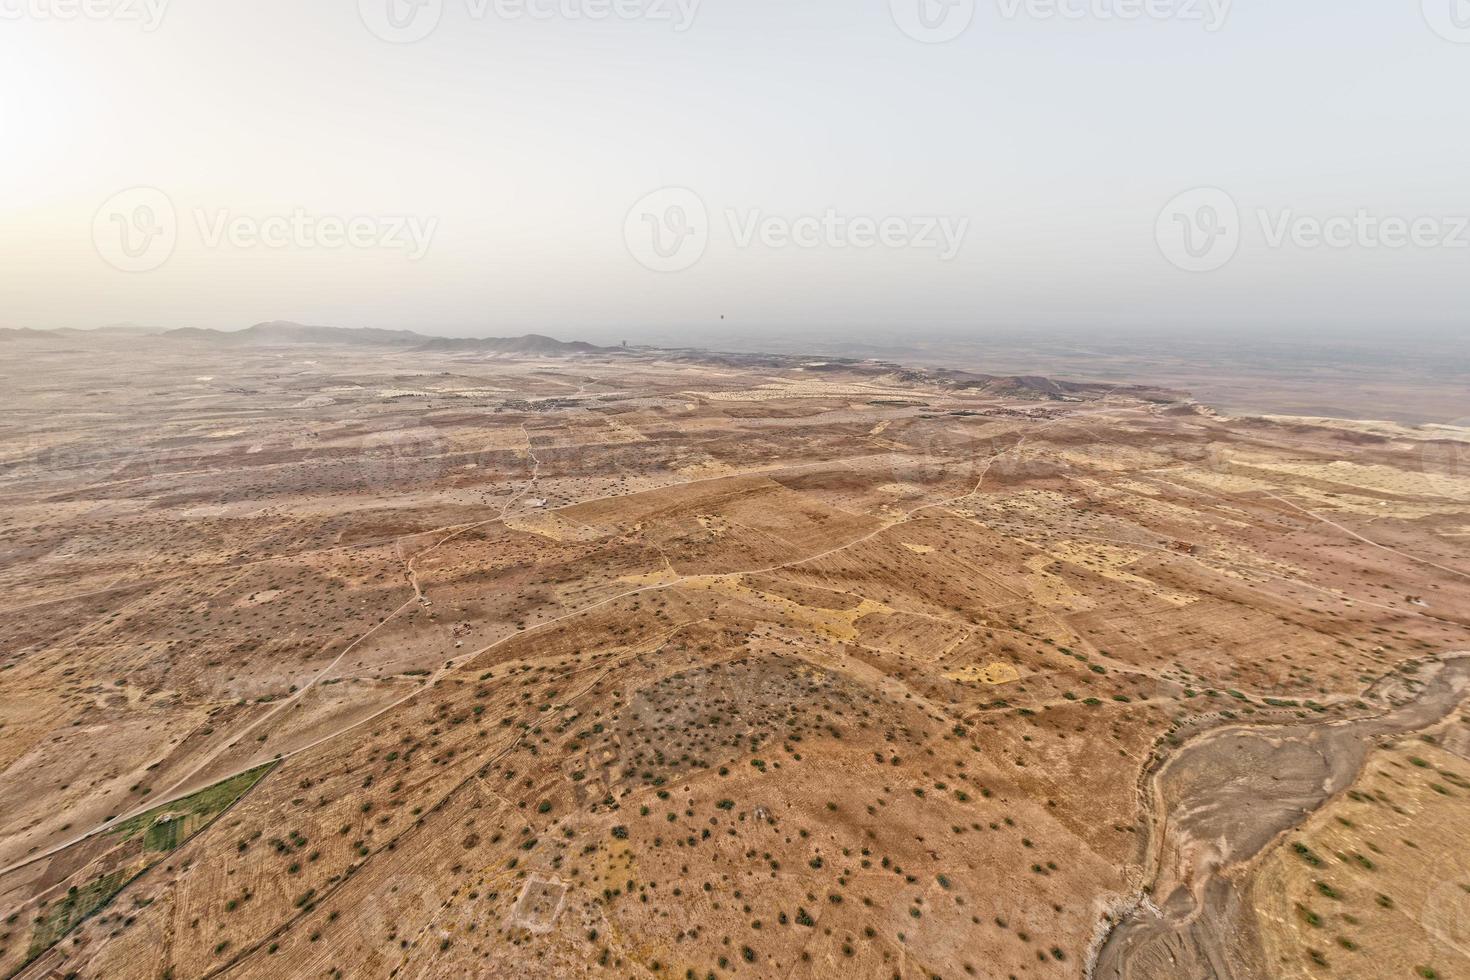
(166, 827)
(162, 830)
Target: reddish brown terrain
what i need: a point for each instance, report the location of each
(364, 660)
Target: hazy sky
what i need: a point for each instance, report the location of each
(511, 150)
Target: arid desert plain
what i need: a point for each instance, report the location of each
(363, 659)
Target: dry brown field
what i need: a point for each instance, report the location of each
(322, 661)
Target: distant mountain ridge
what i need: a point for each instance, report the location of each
(531, 343)
(286, 333)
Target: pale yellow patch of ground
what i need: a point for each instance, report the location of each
(992, 674)
(714, 524)
(1320, 500)
(1134, 487)
(1399, 868)
(835, 624)
(1109, 561)
(1374, 477)
(607, 435)
(1144, 499)
(1037, 501)
(625, 431)
(490, 439)
(1164, 511)
(919, 549)
(1226, 482)
(1116, 459)
(705, 466)
(1379, 428)
(880, 428)
(1452, 491)
(1233, 561)
(661, 577)
(1052, 590)
(553, 527)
